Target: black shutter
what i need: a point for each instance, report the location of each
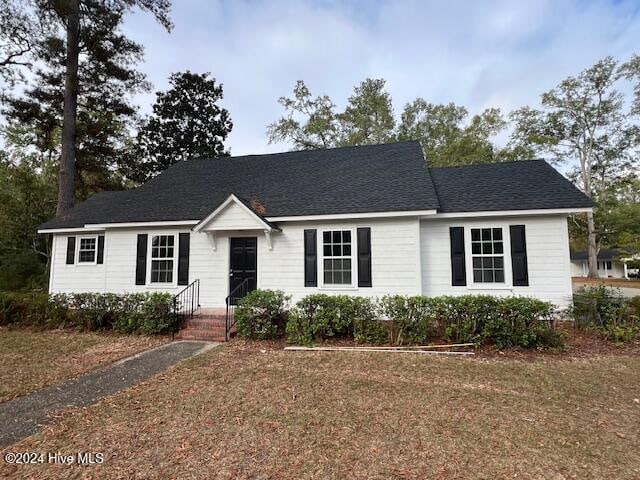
(71, 250)
(100, 255)
(519, 256)
(310, 258)
(183, 259)
(141, 259)
(364, 257)
(458, 263)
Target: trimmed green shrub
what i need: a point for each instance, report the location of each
(147, 313)
(505, 322)
(412, 317)
(262, 314)
(606, 310)
(320, 316)
(522, 322)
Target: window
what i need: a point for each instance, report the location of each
(336, 252)
(487, 252)
(162, 254)
(603, 265)
(87, 250)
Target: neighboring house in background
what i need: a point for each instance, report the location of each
(368, 220)
(610, 264)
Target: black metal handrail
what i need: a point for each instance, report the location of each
(186, 303)
(236, 294)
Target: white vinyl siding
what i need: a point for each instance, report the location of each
(394, 253)
(547, 257)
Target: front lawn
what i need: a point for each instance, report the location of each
(251, 410)
(30, 360)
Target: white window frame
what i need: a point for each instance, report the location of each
(506, 254)
(353, 257)
(95, 257)
(150, 260)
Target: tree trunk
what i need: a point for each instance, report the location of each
(67, 175)
(591, 246)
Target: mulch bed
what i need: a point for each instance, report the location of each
(578, 344)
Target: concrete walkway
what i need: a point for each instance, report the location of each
(24, 416)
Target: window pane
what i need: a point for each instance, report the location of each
(477, 276)
(498, 262)
(328, 277)
(328, 265)
(475, 248)
(154, 241)
(337, 251)
(346, 264)
(326, 237)
(336, 237)
(477, 262)
(487, 276)
(346, 249)
(487, 262)
(497, 247)
(499, 275)
(487, 248)
(497, 234)
(170, 240)
(346, 277)
(327, 250)
(475, 234)
(486, 234)
(346, 236)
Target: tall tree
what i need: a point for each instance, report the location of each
(368, 118)
(186, 122)
(106, 79)
(308, 122)
(73, 22)
(446, 139)
(585, 122)
(443, 130)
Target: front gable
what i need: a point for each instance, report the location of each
(233, 214)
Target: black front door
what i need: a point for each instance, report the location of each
(242, 266)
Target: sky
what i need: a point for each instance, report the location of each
(475, 53)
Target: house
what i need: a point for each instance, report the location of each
(610, 264)
(368, 220)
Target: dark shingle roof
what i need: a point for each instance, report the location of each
(524, 185)
(603, 254)
(373, 178)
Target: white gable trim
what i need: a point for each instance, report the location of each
(100, 227)
(511, 213)
(340, 216)
(232, 199)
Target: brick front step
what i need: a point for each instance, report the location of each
(206, 335)
(208, 327)
(204, 323)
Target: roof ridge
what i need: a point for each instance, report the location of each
(288, 152)
(507, 162)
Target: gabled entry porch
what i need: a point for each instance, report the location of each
(235, 227)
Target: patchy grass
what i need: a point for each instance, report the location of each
(254, 411)
(30, 360)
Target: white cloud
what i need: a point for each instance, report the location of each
(478, 54)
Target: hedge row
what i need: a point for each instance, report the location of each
(147, 313)
(398, 320)
(606, 310)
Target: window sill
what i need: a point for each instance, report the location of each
(338, 288)
(489, 286)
